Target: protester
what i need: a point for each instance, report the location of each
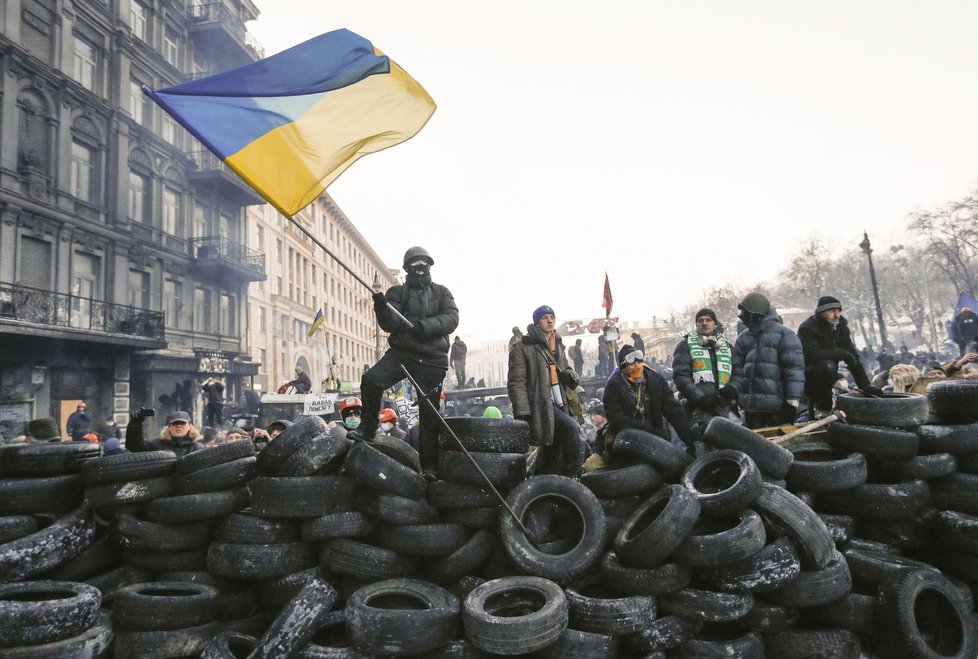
(902, 378)
(79, 422)
(538, 376)
(179, 435)
(492, 412)
(213, 390)
(457, 359)
(112, 446)
(768, 377)
(109, 428)
(826, 341)
(302, 382)
(965, 330)
(702, 363)
(422, 349)
(576, 355)
(638, 343)
(388, 424)
(351, 413)
(517, 335)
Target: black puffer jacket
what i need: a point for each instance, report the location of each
(137, 442)
(619, 406)
(819, 340)
(431, 309)
(768, 366)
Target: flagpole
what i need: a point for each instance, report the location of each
(344, 266)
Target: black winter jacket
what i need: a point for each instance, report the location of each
(431, 309)
(682, 374)
(619, 406)
(528, 382)
(136, 441)
(819, 341)
(768, 366)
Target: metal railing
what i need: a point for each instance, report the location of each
(217, 12)
(224, 249)
(36, 305)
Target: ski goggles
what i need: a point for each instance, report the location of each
(632, 357)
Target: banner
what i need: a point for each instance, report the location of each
(317, 404)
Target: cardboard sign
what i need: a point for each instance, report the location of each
(316, 404)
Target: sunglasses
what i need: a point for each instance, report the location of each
(635, 356)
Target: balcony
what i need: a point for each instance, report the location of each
(217, 29)
(228, 260)
(213, 175)
(41, 313)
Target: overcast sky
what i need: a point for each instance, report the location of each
(675, 145)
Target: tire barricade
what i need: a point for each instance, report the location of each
(861, 539)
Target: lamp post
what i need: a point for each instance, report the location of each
(378, 288)
(868, 251)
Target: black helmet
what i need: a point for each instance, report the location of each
(415, 253)
(755, 303)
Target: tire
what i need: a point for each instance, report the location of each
(442, 494)
(881, 501)
(776, 564)
(127, 467)
(371, 467)
(101, 556)
(772, 459)
(224, 476)
(573, 644)
(337, 525)
(816, 587)
(116, 495)
(956, 530)
(787, 515)
(365, 562)
(723, 642)
(721, 540)
(164, 606)
(767, 618)
(195, 507)
(706, 605)
(958, 440)
(213, 456)
(298, 621)
(466, 560)
(666, 578)
(657, 528)
(187, 642)
(841, 527)
(803, 643)
(139, 534)
(854, 612)
(115, 580)
(925, 467)
(249, 530)
(424, 539)
(29, 496)
(13, 527)
(486, 435)
(229, 645)
(46, 549)
(926, 617)
(641, 478)
(956, 492)
(94, 642)
(664, 634)
(874, 441)
(910, 534)
(872, 568)
(724, 482)
(486, 519)
(257, 561)
(953, 401)
(38, 612)
(499, 468)
(47, 459)
(515, 615)
(394, 509)
(323, 454)
(893, 410)
(288, 442)
(275, 593)
(401, 617)
(622, 506)
(563, 495)
(398, 449)
(154, 561)
(818, 467)
(651, 448)
(594, 608)
(312, 496)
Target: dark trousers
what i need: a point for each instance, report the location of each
(386, 373)
(563, 455)
(754, 420)
(819, 380)
(215, 414)
(459, 373)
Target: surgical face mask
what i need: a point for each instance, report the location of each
(387, 426)
(352, 422)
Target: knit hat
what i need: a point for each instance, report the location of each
(705, 312)
(112, 446)
(492, 412)
(540, 312)
(827, 302)
(755, 303)
(626, 351)
(43, 429)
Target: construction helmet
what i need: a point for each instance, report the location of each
(350, 403)
(755, 303)
(387, 415)
(416, 252)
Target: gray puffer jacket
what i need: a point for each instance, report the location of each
(768, 366)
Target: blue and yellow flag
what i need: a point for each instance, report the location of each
(316, 322)
(293, 122)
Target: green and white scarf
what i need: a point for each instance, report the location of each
(703, 364)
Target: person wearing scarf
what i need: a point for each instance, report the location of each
(701, 364)
(537, 381)
(638, 397)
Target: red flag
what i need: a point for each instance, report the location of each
(607, 302)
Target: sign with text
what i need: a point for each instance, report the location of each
(316, 404)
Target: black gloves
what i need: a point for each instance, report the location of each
(870, 390)
(144, 413)
(707, 404)
(841, 355)
(380, 300)
(789, 412)
(729, 392)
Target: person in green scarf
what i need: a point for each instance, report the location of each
(701, 365)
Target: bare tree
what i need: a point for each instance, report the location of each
(950, 237)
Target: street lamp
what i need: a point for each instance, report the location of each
(868, 251)
(378, 288)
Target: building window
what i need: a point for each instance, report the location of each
(137, 20)
(172, 292)
(227, 318)
(139, 289)
(171, 130)
(262, 320)
(279, 252)
(83, 172)
(200, 221)
(85, 63)
(34, 134)
(139, 108)
(171, 47)
(263, 359)
(35, 263)
(171, 212)
(138, 197)
(202, 309)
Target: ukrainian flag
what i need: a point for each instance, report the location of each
(316, 322)
(293, 122)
